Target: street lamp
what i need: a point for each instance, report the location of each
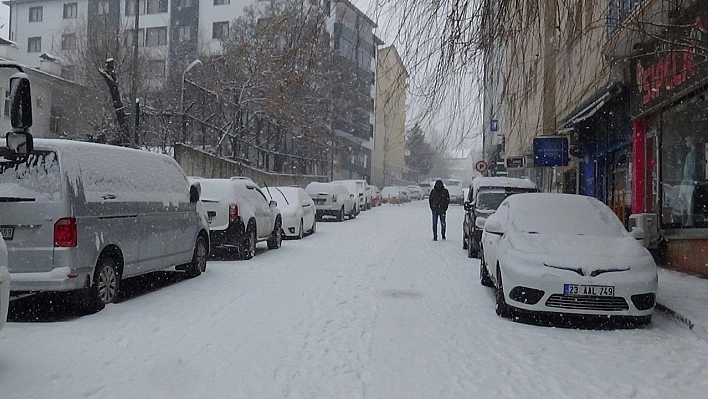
(181, 98)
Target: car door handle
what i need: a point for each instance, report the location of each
(108, 196)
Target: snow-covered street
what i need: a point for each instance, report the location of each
(367, 308)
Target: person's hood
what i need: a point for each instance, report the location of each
(439, 185)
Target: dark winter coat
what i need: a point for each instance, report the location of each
(439, 197)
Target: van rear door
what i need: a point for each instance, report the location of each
(31, 202)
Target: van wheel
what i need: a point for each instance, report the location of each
(248, 247)
(276, 237)
(198, 264)
(106, 282)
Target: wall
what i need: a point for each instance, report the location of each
(198, 163)
(389, 131)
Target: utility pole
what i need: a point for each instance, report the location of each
(134, 82)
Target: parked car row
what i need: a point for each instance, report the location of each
(401, 194)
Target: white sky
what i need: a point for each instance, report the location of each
(396, 315)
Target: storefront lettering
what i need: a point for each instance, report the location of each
(665, 74)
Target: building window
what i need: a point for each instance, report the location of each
(54, 120)
(156, 6)
(221, 2)
(34, 44)
(184, 33)
(71, 10)
(157, 68)
(103, 7)
(68, 42)
(184, 3)
(35, 14)
(156, 36)
(130, 7)
(220, 30)
(129, 37)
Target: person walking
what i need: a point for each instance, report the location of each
(439, 200)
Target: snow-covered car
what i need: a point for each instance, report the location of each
(332, 200)
(297, 210)
(357, 188)
(391, 195)
(482, 200)
(376, 199)
(426, 189)
(4, 284)
(566, 254)
(454, 187)
(240, 216)
(416, 192)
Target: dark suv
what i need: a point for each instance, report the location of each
(483, 198)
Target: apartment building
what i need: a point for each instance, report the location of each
(388, 158)
(623, 86)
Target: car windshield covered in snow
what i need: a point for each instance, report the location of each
(537, 213)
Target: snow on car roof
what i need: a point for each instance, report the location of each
(499, 181)
(553, 213)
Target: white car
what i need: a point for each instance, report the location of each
(454, 187)
(332, 199)
(4, 284)
(297, 210)
(391, 195)
(416, 192)
(240, 216)
(357, 188)
(566, 254)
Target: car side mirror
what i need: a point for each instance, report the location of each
(637, 233)
(272, 204)
(194, 193)
(493, 227)
(19, 143)
(20, 103)
(479, 222)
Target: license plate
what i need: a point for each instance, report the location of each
(7, 232)
(592, 290)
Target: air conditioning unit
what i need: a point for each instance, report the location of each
(650, 224)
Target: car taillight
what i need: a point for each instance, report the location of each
(334, 198)
(65, 234)
(233, 212)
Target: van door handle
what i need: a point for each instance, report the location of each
(108, 196)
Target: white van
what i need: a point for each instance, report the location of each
(80, 217)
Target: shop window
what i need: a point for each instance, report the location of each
(684, 146)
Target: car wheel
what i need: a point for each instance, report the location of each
(301, 233)
(106, 282)
(484, 278)
(464, 240)
(248, 247)
(503, 310)
(340, 215)
(198, 264)
(314, 226)
(276, 236)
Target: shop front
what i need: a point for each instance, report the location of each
(669, 108)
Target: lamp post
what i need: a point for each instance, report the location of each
(181, 98)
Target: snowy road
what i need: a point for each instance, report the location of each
(368, 308)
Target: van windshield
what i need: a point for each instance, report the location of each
(36, 179)
(490, 199)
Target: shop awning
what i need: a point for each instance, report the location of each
(590, 106)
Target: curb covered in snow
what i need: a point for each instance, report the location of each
(700, 332)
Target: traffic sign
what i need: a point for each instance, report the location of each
(480, 166)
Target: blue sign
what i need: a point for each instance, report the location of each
(493, 125)
(550, 151)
